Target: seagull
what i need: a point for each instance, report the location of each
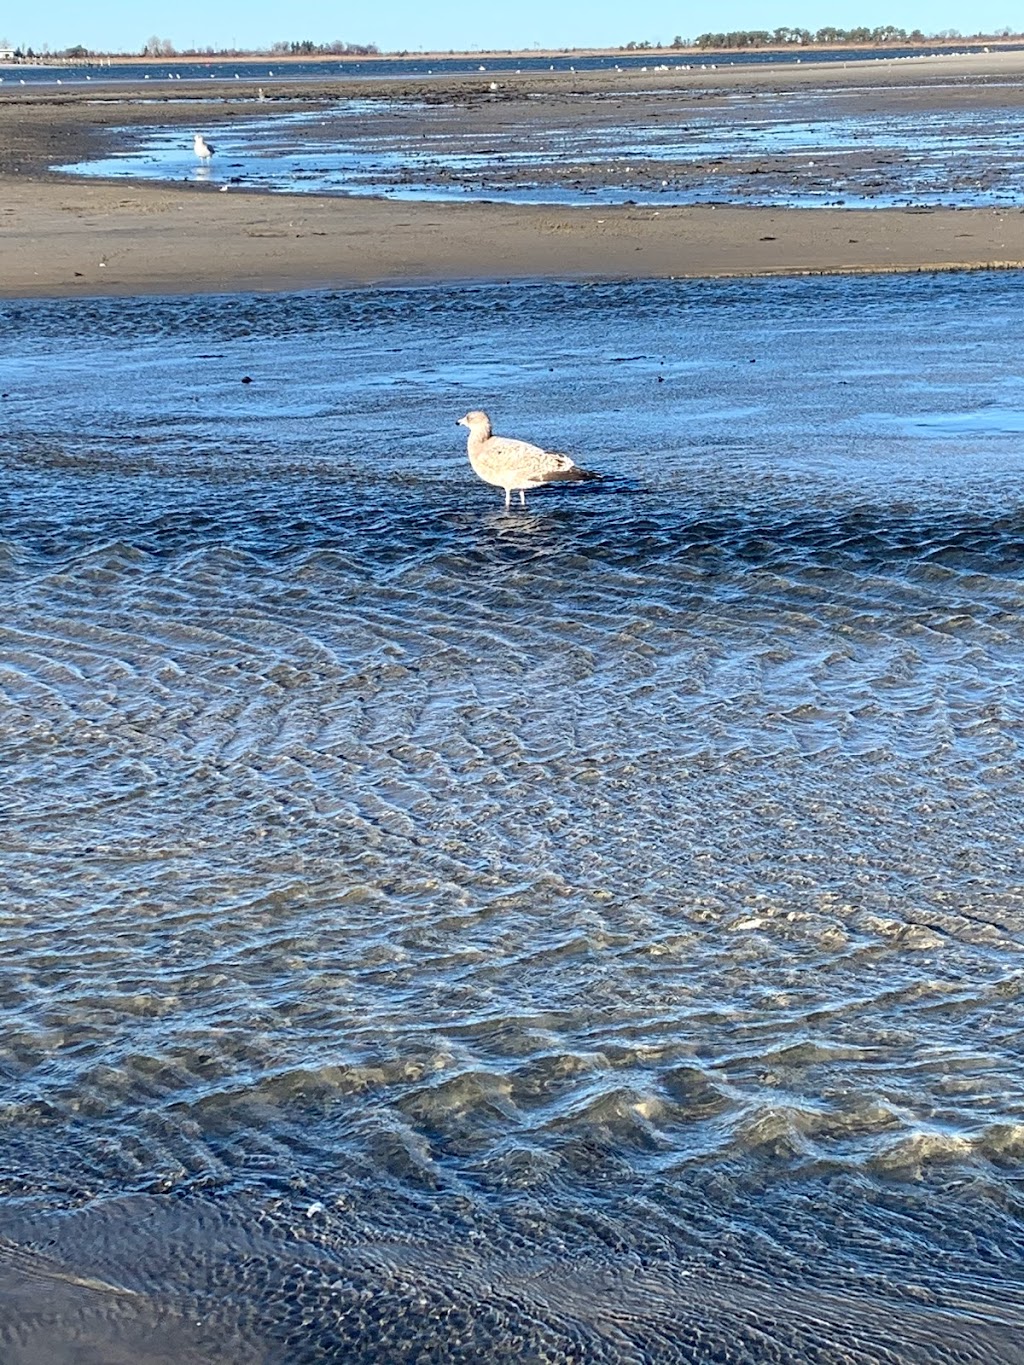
(512, 464)
(204, 150)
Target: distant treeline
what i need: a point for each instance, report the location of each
(886, 36)
(337, 48)
(160, 47)
(163, 47)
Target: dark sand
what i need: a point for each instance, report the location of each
(64, 236)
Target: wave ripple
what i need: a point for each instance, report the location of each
(593, 932)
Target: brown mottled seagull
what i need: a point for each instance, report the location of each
(510, 464)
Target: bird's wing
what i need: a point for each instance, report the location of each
(501, 453)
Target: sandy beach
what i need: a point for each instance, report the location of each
(64, 236)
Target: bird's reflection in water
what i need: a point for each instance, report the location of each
(534, 532)
(516, 523)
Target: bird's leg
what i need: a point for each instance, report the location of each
(522, 497)
(508, 498)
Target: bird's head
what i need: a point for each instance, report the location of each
(476, 421)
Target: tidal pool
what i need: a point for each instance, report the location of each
(806, 149)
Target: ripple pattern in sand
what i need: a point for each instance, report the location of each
(621, 896)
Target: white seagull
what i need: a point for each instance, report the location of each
(510, 464)
(204, 150)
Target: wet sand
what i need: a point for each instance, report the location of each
(64, 237)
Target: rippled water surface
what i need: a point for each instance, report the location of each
(589, 933)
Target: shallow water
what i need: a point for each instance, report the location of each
(803, 150)
(590, 933)
(658, 59)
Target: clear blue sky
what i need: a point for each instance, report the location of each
(112, 25)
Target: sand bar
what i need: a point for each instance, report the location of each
(62, 236)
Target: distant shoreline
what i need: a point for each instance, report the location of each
(950, 46)
(70, 237)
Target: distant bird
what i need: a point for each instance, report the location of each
(204, 150)
(510, 464)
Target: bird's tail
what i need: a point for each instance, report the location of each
(571, 472)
